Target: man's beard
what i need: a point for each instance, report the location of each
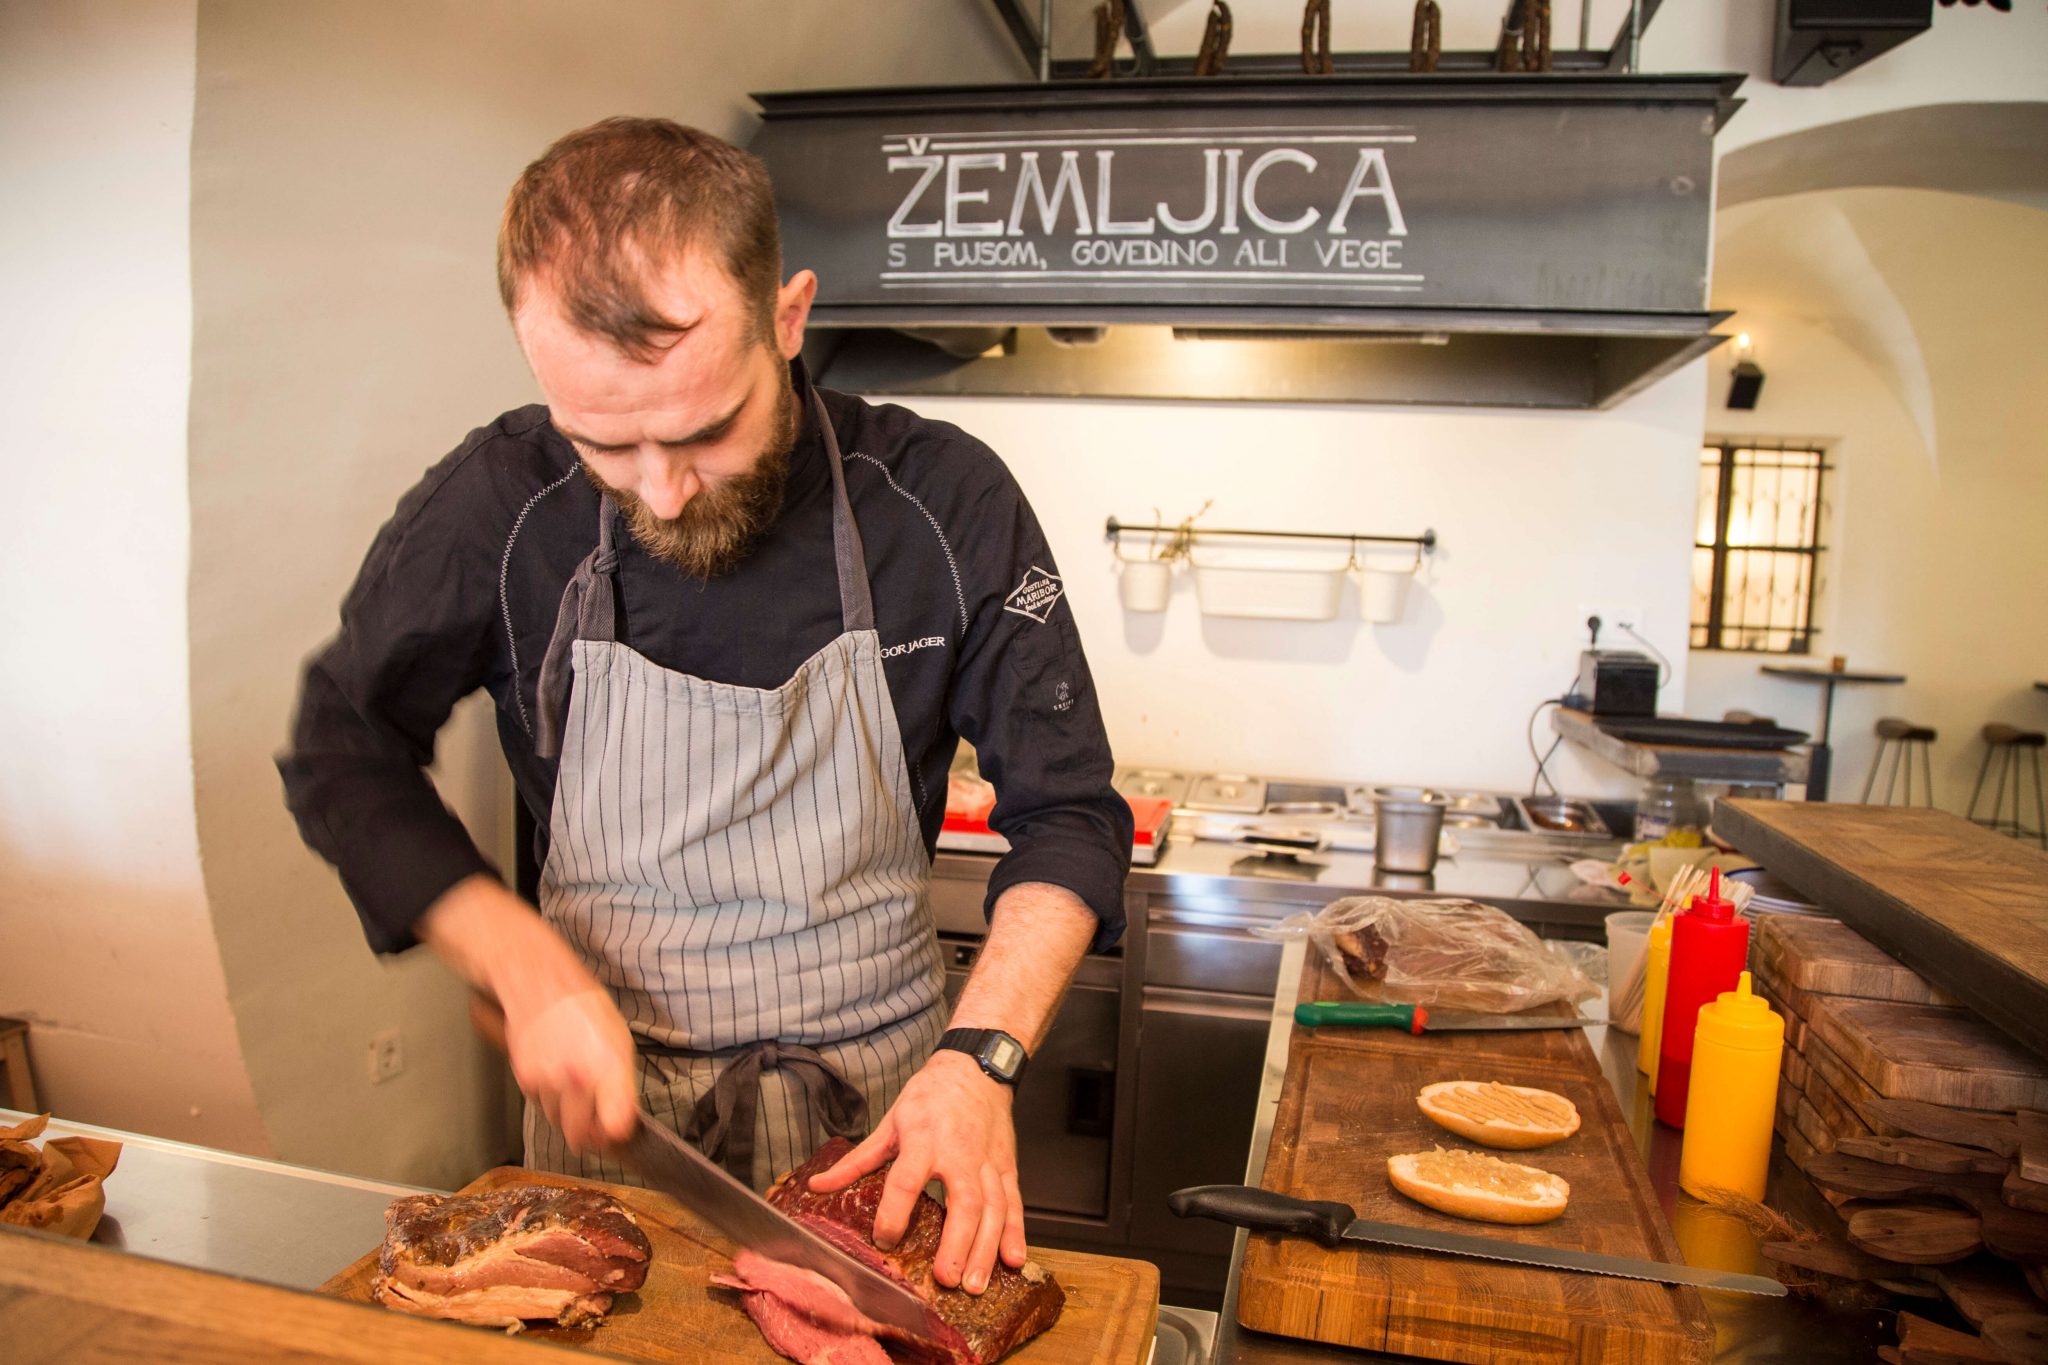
(721, 522)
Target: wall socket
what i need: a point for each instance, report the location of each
(1612, 618)
(387, 1056)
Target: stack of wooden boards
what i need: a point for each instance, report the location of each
(1926, 1128)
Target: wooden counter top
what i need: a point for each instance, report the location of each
(1962, 906)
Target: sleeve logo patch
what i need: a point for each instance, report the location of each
(1036, 595)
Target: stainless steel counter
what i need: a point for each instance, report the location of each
(1747, 1328)
(1529, 876)
(261, 1220)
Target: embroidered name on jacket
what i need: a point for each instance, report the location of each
(912, 646)
(1036, 595)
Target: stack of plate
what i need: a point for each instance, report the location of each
(1771, 894)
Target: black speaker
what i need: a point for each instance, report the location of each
(1747, 383)
(1818, 40)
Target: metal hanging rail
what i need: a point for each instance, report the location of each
(1113, 528)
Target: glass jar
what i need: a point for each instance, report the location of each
(1669, 813)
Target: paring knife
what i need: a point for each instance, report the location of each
(1420, 1018)
(1332, 1223)
(702, 1186)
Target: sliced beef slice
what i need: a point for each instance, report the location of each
(506, 1256)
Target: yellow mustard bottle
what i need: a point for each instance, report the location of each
(1733, 1096)
(1656, 974)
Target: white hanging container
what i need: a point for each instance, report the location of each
(1268, 586)
(1383, 594)
(1144, 584)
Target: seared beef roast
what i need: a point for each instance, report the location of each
(499, 1258)
(807, 1318)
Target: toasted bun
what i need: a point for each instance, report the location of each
(1471, 1185)
(1495, 1115)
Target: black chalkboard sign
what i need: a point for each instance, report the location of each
(1182, 200)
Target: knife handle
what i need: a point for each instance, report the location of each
(1263, 1211)
(1414, 1018)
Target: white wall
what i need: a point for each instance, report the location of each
(106, 946)
(1538, 513)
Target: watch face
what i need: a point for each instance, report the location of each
(1005, 1055)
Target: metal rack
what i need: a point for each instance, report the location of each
(1426, 542)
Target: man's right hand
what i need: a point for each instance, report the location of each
(571, 1051)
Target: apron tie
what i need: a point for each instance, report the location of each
(586, 613)
(722, 1124)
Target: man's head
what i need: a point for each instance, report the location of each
(640, 264)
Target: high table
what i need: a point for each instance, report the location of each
(1817, 767)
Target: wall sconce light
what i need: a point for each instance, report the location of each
(1747, 380)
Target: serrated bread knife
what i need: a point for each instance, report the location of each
(702, 1186)
(1332, 1224)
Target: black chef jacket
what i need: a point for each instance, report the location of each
(460, 591)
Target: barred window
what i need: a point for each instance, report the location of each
(1756, 555)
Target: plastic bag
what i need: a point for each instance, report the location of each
(1452, 953)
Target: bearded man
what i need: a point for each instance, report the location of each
(735, 627)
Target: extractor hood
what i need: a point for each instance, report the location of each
(1527, 241)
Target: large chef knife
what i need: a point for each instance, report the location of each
(1420, 1018)
(1332, 1223)
(703, 1187)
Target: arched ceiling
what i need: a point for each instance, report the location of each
(1996, 150)
(1872, 226)
(1940, 293)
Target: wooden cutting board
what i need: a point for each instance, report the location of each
(1112, 1303)
(1348, 1103)
(64, 1302)
(1925, 1052)
(1807, 953)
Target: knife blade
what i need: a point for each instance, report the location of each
(1332, 1223)
(1421, 1019)
(700, 1185)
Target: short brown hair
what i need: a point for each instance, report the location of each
(606, 202)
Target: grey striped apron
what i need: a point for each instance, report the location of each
(743, 869)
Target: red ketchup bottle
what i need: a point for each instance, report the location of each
(1709, 949)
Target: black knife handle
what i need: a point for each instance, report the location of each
(1263, 1211)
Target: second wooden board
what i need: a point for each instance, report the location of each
(1828, 957)
(1924, 1052)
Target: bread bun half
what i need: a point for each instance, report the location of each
(1473, 1185)
(1513, 1117)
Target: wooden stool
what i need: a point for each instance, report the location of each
(17, 1087)
(1908, 737)
(2006, 741)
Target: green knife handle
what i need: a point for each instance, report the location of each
(1414, 1018)
(1263, 1211)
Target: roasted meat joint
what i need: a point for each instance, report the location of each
(507, 1257)
(806, 1317)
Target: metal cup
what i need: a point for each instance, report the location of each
(1409, 821)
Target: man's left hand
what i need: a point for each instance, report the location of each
(951, 1122)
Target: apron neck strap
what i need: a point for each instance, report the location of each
(589, 608)
(856, 603)
(589, 611)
